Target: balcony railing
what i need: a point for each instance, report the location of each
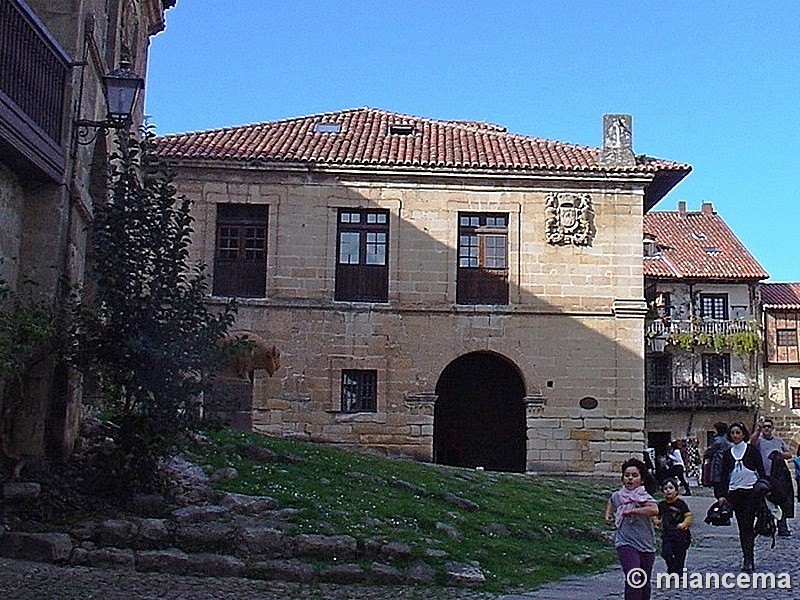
(658, 328)
(33, 76)
(737, 397)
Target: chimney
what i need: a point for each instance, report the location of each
(617, 149)
(682, 208)
(707, 208)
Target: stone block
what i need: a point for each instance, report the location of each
(243, 503)
(342, 574)
(464, 574)
(170, 560)
(114, 558)
(261, 541)
(21, 491)
(622, 436)
(421, 572)
(215, 565)
(204, 537)
(325, 547)
(283, 570)
(43, 547)
(115, 532)
(386, 574)
(631, 447)
(153, 533)
(199, 514)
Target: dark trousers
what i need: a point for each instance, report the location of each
(630, 558)
(673, 550)
(679, 473)
(744, 504)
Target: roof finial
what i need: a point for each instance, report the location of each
(617, 149)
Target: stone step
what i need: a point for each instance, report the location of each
(241, 536)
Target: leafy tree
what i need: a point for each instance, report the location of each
(147, 332)
(28, 335)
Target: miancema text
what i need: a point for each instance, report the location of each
(706, 581)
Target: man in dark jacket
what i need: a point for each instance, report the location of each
(781, 489)
(713, 453)
(767, 442)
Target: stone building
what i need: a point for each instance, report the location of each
(53, 57)
(780, 304)
(702, 335)
(443, 289)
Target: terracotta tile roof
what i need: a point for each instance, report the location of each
(364, 140)
(781, 295)
(697, 245)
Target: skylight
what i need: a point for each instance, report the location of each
(324, 127)
(401, 129)
(711, 250)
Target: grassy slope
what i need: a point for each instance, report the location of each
(527, 530)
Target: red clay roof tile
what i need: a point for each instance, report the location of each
(364, 140)
(781, 295)
(697, 245)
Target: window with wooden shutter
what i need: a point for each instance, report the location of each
(240, 259)
(362, 257)
(482, 259)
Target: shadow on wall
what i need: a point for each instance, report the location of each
(478, 396)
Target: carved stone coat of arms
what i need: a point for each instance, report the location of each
(569, 219)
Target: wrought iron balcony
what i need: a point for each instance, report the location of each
(33, 77)
(687, 397)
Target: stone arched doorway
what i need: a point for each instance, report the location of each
(479, 418)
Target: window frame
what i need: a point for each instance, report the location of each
(794, 397)
(482, 264)
(362, 278)
(780, 337)
(718, 305)
(659, 369)
(359, 394)
(240, 250)
(721, 364)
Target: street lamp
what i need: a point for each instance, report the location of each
(121, 87)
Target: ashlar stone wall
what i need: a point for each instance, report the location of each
(573, 328)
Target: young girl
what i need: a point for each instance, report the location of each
(675, 518)
(630, 509)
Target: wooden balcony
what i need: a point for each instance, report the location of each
(686, 397)
(33, 76)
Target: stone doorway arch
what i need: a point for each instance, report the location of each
(479, 416)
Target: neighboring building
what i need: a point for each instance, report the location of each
(444, 289)
(53, 56)
(780, 304)
(702, 341)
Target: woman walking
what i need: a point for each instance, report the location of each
(741, 469)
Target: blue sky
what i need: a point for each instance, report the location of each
(713, 84)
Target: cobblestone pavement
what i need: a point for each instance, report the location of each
(20, 580)
(715, 550)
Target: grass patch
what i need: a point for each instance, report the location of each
(525, 530)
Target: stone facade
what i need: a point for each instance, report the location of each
(573, 327)
(48, 179)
